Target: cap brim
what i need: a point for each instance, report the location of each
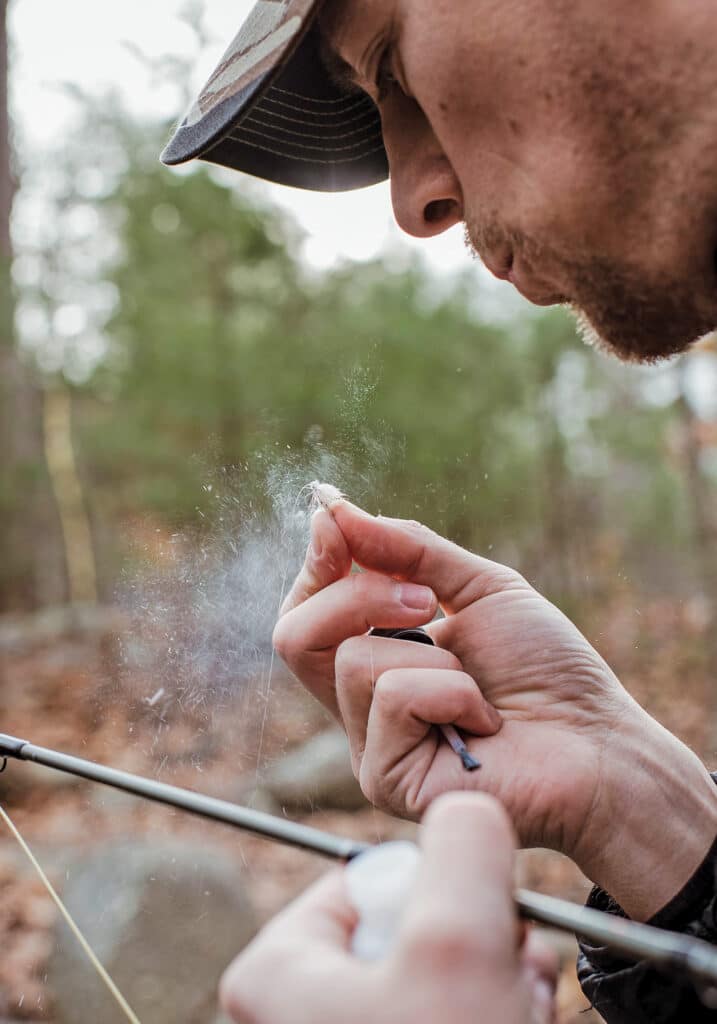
(272, 110)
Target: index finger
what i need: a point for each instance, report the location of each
(409, 551)
(327, 559)
(322, 914)
(299, 966)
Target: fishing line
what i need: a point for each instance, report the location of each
(74, 928)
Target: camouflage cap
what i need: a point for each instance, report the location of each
(271, 109)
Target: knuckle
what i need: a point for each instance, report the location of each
(283, 639)
(465, 685)
(350, 659)
(355, 741)
(390, 689)
(245, 991)
(493, 579)
(238, 990)
(420, 529)
(373, 785)
(505, 578)
(452, 662)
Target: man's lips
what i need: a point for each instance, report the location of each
(537, 292)
(506, 267)
(499, 263)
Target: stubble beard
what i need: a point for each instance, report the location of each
(634, 321)
(617, 310)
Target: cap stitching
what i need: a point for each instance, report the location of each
(298, 96)
(298, 145)
(305, 159)
(363, 116)
(295, 121)
(318, 113)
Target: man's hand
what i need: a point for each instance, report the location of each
(579, 766)
(460, 954)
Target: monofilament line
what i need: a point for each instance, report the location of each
(87, 949)
(267, 690)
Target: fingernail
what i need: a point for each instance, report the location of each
(413, 595)
(317, 546)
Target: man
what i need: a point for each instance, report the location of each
(577, 142)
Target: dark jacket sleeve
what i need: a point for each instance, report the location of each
(624, 992)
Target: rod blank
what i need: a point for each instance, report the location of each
(246, 818)
(668, 950)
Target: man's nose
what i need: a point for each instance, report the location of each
(425, 191)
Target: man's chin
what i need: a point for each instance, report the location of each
(642, 337)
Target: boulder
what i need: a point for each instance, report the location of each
(316, 776)
(47, 627)
(165, 919)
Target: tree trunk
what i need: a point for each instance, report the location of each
(28, 521)
(65, 479)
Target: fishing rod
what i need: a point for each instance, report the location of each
(269, 826)
(667, 950)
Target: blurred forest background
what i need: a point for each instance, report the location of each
(165, 351)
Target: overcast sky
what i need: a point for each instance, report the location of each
(84, 43)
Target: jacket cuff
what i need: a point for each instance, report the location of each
(623, 991)
(695, 902)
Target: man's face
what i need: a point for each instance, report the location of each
(576, 140)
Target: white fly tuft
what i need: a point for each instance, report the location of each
(324, 495)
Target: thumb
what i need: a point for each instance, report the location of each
(408, 551)
(464, 888)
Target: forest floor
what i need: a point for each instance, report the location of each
(76, 693)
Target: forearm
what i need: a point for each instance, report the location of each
(654, 817)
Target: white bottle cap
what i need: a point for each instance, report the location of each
(379, 882)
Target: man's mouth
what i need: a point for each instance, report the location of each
(538, 292)
(504, 265)
(500, 263)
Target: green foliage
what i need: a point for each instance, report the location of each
(511, 438)
(206, 282)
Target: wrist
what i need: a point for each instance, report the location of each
(653, 817)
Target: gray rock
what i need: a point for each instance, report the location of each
(164, 919)
(49, 625)
(251, 795)
(316, 775)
